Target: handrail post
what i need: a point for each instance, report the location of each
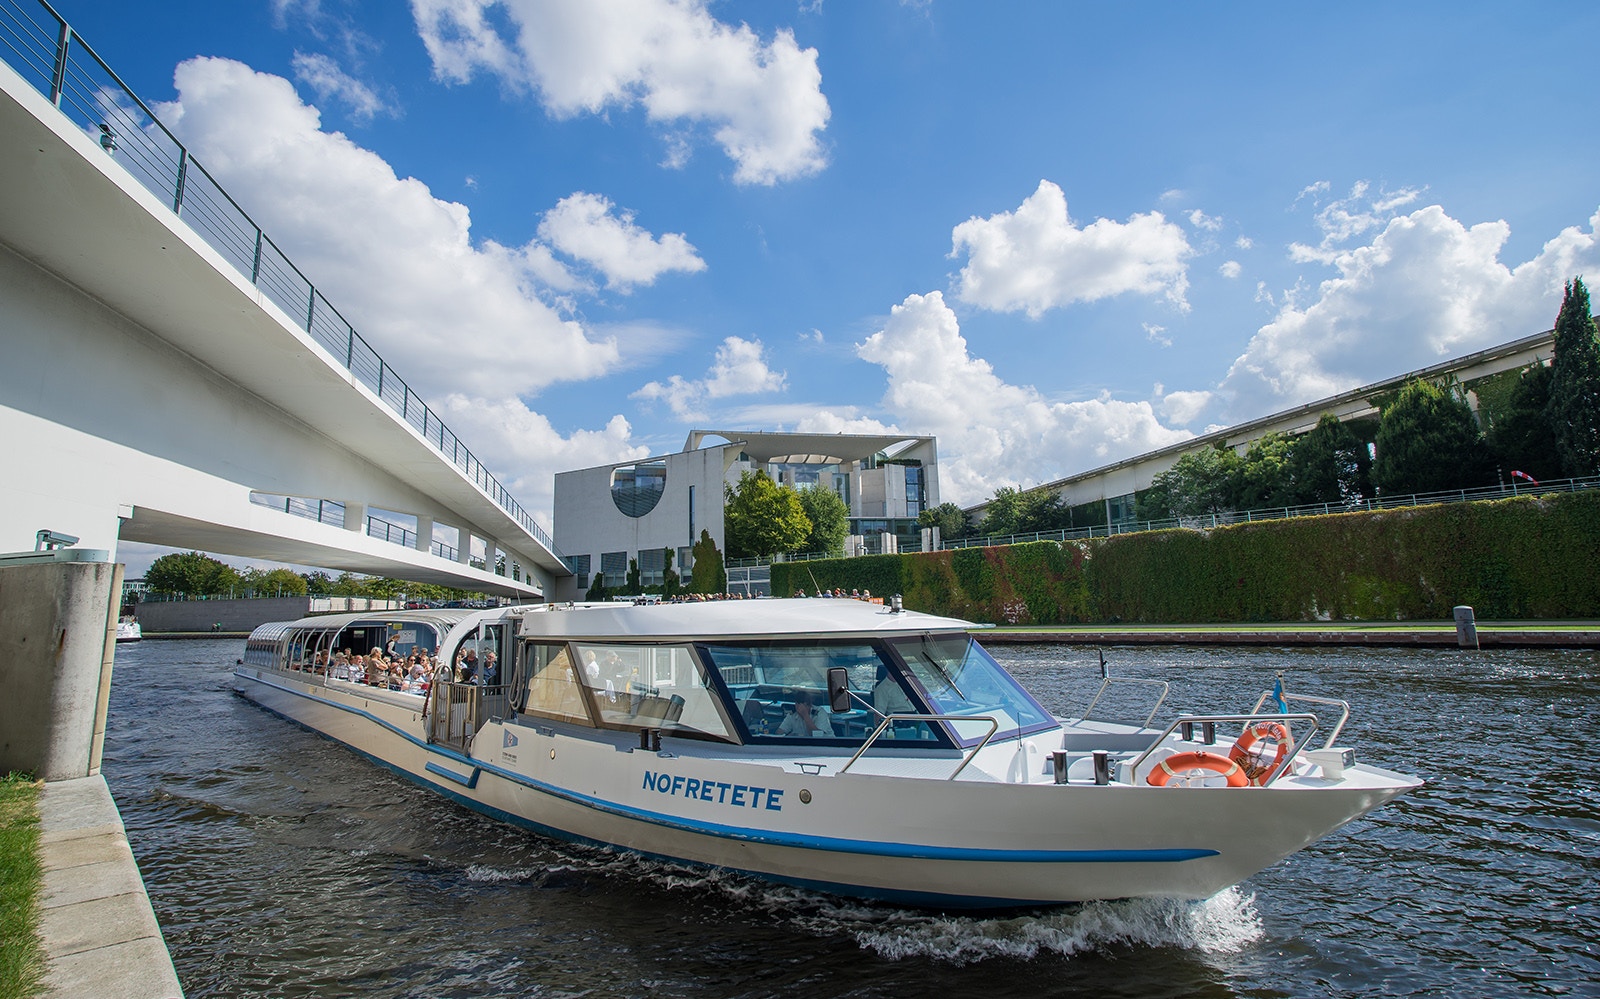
(58, 78)
(183, 176)
(255, 266)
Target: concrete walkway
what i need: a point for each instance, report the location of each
(99, 932)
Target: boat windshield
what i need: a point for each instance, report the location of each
(959, 678)
(780, 692)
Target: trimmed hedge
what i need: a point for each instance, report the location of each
(1521, 558)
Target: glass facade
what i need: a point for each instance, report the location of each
(636, 489)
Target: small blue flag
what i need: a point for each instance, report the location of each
(1277, 696)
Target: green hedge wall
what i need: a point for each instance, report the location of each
(1530, 557)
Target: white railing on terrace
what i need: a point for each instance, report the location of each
(39, 44)
(1223, 519)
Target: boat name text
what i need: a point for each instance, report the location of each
(718, 791)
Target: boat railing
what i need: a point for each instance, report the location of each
(1106, 682)
(455, 711)
(1343, 706)
(883, 725)
(1244, 721)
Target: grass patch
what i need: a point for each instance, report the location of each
(21, 874)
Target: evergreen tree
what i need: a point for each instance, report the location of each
(635, 587)
(830, 519)
(708, 574)
(670, 580)
(1574, 408)
(763, 519)
(1521, 438)
(1428, 440)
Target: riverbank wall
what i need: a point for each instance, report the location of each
(243, 615)
(1527, 559)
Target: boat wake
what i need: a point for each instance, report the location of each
(1225, 923)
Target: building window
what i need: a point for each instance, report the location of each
(685, 563)
(691, 515)
(636, 489)
(615, 567)
(579, 564)
(652, 567)
(916, 494)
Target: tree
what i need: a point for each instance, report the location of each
(1520, 438)
(1574, 407)
(191, 573)
(670, 580)
(1428, 440)
(1202, 482)
(708, 574)
(634, 579)
(275, 583)
(597, 588)
(318, 584)
(1018, 511)
(1329, 464)
(1265, 477)
(951, 520)
(830, 519)
(763, 519)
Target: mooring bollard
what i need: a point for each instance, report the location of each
(1466, 628)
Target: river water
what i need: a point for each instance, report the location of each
(281, 864)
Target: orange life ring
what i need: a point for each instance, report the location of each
(1179, 763)
(1243, 751)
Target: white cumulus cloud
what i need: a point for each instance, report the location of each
(992, 433)
(1426, 288)
(456, 319)
(1230, 269)
(1036, 258)
(587, 227)
(761, 100)
(324, 76)
(740, 368)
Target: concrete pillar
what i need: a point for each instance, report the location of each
(490, 551)
(355, 517)
(424, 533)
(464, 546)
(58, 626)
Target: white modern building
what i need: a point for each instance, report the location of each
(610, 514)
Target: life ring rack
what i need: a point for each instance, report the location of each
(1243, 751)
(1181, 763)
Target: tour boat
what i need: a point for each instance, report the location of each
(128, 630)
(843, 746)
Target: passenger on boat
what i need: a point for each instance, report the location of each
(591, 669)
(467, 667)
(888, 697)
(491, 670)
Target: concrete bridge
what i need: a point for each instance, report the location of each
(168, 376)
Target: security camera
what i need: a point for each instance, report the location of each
(48, 540)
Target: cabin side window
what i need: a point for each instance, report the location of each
(650, 686)
(780, 691)
(550, 688)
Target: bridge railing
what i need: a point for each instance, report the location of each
(42, 47)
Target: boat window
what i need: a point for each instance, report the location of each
(780, 692)
(650, 686)
(959, 678)
(549, 684)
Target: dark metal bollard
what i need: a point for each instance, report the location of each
(1102, 767)
(1060, 758)
(1466, 628)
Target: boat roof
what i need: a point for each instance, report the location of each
(442, 618)
(743, 619)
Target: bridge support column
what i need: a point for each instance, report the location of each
(58, 627)
(464, 551)
(355, 517)
(424, 533)
(491, 551)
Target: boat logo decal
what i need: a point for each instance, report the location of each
(718, 792)
(510, 740)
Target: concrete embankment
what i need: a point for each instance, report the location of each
(1548, 634)
(99, 933)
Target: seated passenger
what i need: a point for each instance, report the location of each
(801, 722)
(888, 697)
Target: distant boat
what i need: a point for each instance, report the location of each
(128, 630)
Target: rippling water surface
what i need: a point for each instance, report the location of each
(281, 864)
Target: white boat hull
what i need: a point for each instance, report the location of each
(907, 840)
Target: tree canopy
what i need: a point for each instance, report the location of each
(830, 519)
(192, 573)
(762, 519)
(1519, 436)
(951, 520)
(1017, 511)
(1428, 440)
(1574, 406)
(1329, 464)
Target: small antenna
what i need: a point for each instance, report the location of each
(1104, 672)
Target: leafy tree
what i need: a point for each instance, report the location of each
(1265, 475)
(1018, 511)
(275, 583)
(1574, 406)
(708, 574)
(829, 516)
(1520, 438)
(1428, 440)
(951, 520)
(1154, 503)
(192, 573)
(1202, 482)
(763, 519)
(318, 584)
(1329, 464)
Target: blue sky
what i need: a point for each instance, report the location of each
(1052, 234)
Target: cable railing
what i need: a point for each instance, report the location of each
(42, 47)
(332, 512)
